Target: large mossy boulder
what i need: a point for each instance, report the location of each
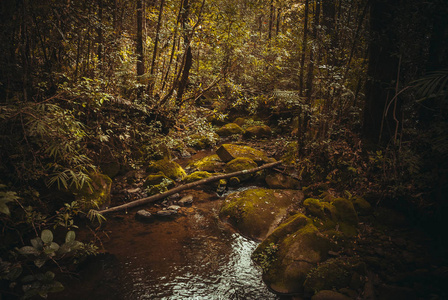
(257, 212)
(228, 152)
(262, 131)
(95, 195)
(169, 168)
(211, 163)
(299, 248)
(229, 129)
(240, 164)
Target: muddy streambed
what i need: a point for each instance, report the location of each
(191, 256)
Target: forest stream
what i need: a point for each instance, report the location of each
(193, 255)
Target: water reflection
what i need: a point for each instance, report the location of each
(193, 256)
(216, 266)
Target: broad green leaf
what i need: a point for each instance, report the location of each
(27, 250)
(37, 243)
(46, 236)
(39, 262)
(56, 286)
(4, 209)
(71, 235)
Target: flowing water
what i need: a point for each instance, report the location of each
(192, 256)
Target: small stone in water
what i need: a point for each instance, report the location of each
(166, 213)
(185, 201)
(143, 214)
(173, 207)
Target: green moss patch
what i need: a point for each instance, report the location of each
(168, 167)
(228, 152)
(229, 129)
(255, 212)
(198, 175)
(211, 163)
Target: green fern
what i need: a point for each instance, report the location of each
(433, 85)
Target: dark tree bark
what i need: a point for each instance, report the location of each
(139, 50)
(154, 53)
(304, 48)
(382, 72)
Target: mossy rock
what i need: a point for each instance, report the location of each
(262, 131)
(198, 175)
(338, 214)
(211, 163)
(228, 152)
(157, 183)
(362, 206)
(240, 164)
(256, 212)
(97, 194)
(281, 181)
(300, 248)
(229, 129)
(202, 141)
(335, 273)
(345, 212)
(168, 167)
(240, 121)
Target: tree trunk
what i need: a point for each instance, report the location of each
(152, 78)
(382, 71)
(304, 47)
(139, 50)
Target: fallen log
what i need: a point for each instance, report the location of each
(185, 187)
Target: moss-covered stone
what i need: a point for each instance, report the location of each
(240, 164)
(281, 181)
(229, 129)
(300, 247)
(262, 131)
(256, 212)
(211, 163)
(195, 176)
(240, 121)
(228, 152)
(97, 194)
(317, 208)
(291, 153)
(335, 273)
(361, 206)
(338, 214)
(157, 183)
(345, 212)
(169, 168)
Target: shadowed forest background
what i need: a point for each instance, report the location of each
(354, 91)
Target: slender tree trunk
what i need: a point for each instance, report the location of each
(271, 20)
(100, 33)
(139, 50)
(152, 78)
(304, 48)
